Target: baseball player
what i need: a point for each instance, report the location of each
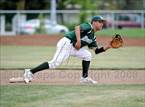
(73, 43)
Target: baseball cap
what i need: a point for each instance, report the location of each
(98, 18)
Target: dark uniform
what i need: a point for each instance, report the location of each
(87, 36)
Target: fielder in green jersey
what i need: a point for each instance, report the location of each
(73, 43)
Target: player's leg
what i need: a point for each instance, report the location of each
(86, 57)
(28, 73)
(62, 53)
(58, 57)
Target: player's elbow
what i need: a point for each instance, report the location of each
(77, 28)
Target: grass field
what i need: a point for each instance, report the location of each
(125, 32)
(19, 57)
(72, 96)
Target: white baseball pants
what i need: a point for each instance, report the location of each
(64, 50)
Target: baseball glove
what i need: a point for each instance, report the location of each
(116, 41)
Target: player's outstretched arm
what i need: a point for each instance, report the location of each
(102, 49)
(107, 47)
(77, 32)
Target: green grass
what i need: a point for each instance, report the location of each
(72, 96)
(14, 57)
(125, 32)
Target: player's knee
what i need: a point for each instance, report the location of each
(88, 56)
(54, 64)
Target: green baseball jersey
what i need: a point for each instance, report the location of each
(86, 35)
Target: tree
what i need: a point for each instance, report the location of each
(133, 5)
(20, 4)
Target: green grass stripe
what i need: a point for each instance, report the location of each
(125, 32)
(72, 96)
(14, 57)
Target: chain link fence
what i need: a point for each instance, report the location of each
(14, 22)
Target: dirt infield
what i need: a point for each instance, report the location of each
(54, 77)
(45, 40)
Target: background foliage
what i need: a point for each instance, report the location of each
(72, 4)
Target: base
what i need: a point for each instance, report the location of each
(16, 80)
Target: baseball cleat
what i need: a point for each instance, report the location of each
(87, 81)
(28, 76)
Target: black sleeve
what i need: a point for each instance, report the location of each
(99, 50)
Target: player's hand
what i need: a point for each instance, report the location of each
(78, 45)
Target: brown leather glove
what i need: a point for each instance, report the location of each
(116, 41)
